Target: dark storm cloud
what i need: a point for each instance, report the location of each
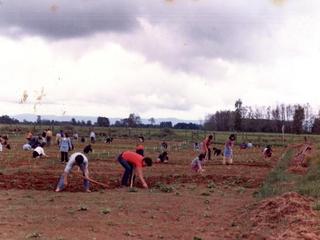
(200, 29)
(66, 19)
(223, 29)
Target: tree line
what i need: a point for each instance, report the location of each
(288, 118)
(132, 121)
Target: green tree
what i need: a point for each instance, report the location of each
(73, 121)
(238, 115)
(103, 122)
(152, 121)
(298, 118)
(132, 121)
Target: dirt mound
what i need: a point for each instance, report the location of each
(289, 216)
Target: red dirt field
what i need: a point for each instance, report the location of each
(179, 204)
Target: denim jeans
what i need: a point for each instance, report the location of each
(127, 172)
(86, 183)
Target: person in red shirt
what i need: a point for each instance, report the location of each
(133, 161)
(206, 147)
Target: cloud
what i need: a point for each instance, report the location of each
(176, 33)
(157, 58)
(182, 30)
(65, 19)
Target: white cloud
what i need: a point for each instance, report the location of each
(160, 69)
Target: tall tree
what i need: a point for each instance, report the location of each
(277, 118)
(316, 126)
(152, 121)
(132, 121)
(73, 121)
(103, 122)
(238, 115)
(38, 119)
(89, 123)
(298, 118)
(166, 124)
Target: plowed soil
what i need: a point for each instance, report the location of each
(179, 204)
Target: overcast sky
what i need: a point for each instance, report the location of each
(183, 58)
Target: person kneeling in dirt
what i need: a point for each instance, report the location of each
(80, 160)
(267, 152)
(131, 161)
(38, 152)
(163, 157)
(196, 164)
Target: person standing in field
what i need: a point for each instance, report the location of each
(132, 161)
(49, 136)
(206, 147)
(64, 147)
(58, 137)
(228, 152)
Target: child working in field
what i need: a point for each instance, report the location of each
(163, 156)
(65, 146)
(267, 152)
(38, 152)
(228, 153)
(206, 147)
(196, 164)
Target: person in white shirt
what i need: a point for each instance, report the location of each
(80, 160)
(38, 152)
(92, 137)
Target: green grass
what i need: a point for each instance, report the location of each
(310, 183)
(280, 181)
(167, 134)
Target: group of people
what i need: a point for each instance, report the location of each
(205, 152)
(132, 162)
